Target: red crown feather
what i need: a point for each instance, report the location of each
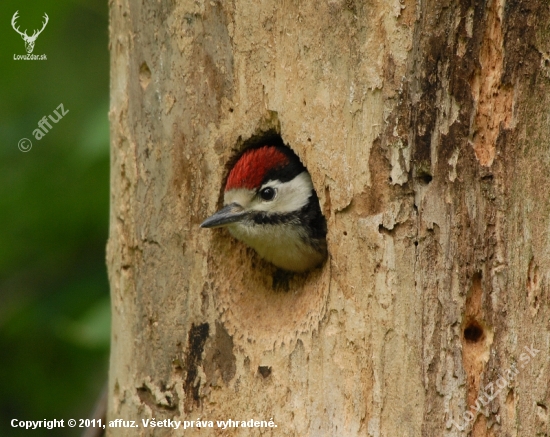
(252, 166)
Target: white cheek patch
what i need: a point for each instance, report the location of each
(291, 195)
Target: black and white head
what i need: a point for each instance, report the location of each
(271, 205)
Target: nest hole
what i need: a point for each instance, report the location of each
(473, 332)
(265, 371)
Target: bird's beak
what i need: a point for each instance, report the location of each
(228, 214)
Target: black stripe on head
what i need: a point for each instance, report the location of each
(309, 216)
(289, 171)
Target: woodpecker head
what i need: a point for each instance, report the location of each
(271, 206)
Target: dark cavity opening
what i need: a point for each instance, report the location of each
(265, 371)
(424, 178)
(473, 332)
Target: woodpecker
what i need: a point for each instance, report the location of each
(270, 205)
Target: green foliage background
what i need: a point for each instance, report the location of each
(54, 201)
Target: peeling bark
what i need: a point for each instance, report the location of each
(425, 128)
(493, 100)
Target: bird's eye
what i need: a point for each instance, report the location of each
(267, 193)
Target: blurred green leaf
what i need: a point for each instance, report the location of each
(54, 203)
(94, 143)
(92, 329)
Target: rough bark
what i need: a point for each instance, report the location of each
(425, 129)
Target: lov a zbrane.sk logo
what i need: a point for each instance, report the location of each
(29, 40)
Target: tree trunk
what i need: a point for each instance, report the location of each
(425, 128)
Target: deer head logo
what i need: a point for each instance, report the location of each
(29, 40)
